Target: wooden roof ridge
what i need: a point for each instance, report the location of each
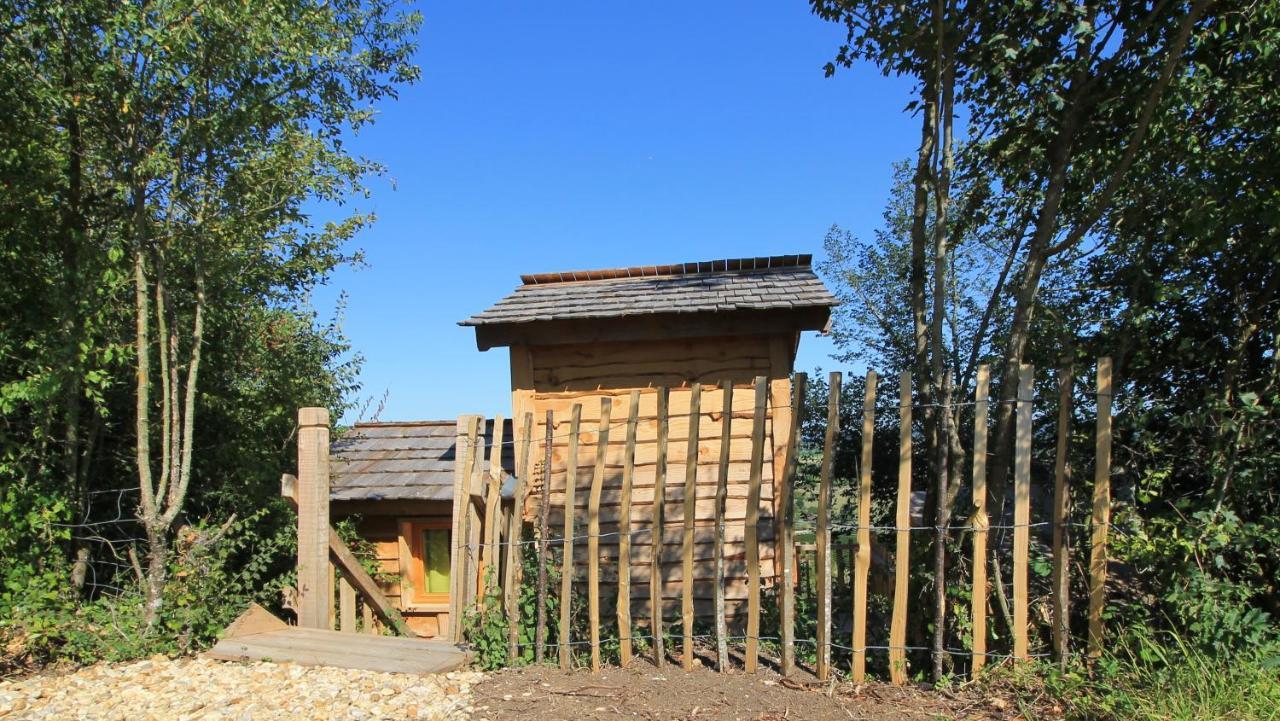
(384, 424)
(727, 265)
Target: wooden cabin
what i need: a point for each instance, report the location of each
(578, 337)
(398, 480)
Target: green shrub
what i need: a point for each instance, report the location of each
(215, 573)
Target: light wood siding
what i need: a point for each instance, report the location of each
(556, 377)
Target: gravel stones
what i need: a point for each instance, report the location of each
(188, 689)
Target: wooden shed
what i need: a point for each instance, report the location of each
(399, 480)
(579, 337)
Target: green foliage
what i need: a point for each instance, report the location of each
(1153, 678)
(486, 628)
(202, 138)
(216, 572)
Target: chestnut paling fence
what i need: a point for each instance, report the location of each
(495, 543)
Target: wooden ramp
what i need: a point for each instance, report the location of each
(259, 636)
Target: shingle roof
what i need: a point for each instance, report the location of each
(403, 461)
(777, 283)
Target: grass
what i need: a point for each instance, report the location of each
(1152, 681)
(1175, 682)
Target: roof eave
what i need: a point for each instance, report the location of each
(652, 326)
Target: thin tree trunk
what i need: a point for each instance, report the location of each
(178, 493)
(942, 422)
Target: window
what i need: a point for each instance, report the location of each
(425, 561)
(435, 560)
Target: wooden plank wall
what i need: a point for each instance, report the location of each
(642, 490)
(555, 378)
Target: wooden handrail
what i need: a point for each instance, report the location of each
(351, 569)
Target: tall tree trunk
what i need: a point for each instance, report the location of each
(939, 364)
(148, 511)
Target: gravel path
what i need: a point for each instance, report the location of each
(187, 689)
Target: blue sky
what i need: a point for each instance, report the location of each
(573, 135)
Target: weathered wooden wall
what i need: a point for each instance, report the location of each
(555, 377)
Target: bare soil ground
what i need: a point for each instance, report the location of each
(643, 692)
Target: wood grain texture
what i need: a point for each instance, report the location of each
(624, 535)
(822, 553)
(346, 606)
(540, 630)
(315, 598)
(644, 466)
(1100, 522)
(980, 520)
(786, 514)
(1022, 509)
(752, 526)
(593, 536)
(656, 627)
(473, 501)
(690, 507)
(902, 556)
(722, 495)
(317, 647)
(492, 509)
(1061, 590)
(515, 564)
(465, 442)
(563, 636)
(862, 557)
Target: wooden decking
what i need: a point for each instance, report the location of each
(258, 636)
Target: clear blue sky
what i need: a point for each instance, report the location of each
(573, 135)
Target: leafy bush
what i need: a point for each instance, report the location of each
(486, 628)
(215, 573)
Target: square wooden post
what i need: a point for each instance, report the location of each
(314, 576)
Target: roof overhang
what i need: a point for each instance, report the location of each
(654, 326)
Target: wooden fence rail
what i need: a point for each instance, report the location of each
(844, 555)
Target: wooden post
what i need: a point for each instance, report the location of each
(823, 552)
(690, 510)
(346, 606)
(862, 551)
(624, 533)
(493, 509)
(659, 514)
(475, 485)
(314, 575)
(722, 497)
(460, 560)
(786, 526)
(1061, 504)
(751, 531)
(901, 573)
(566, 561)
(980, 521)
(1022, 508)
(515, 570)
(1100, 524)
(544, 508)
(366, 618)
(593, 531)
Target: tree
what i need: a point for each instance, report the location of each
(183, 143)
(1061, 100)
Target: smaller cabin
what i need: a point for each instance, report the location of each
(397, 480)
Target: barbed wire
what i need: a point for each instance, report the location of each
(557, 541)
(593, 426)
